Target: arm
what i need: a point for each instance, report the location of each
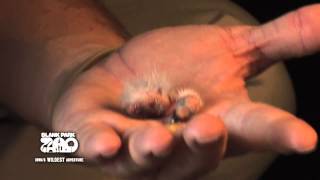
(130, 147)
(42, 42)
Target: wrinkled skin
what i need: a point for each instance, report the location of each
(216, 61)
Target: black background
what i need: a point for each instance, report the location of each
(305, 73)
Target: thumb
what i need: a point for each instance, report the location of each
(295, 34)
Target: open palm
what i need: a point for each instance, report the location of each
(215, 61)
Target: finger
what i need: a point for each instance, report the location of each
(146, 143)
(293, 35)
(98, 140)
(203, 147)
(123, 146)
(142, 135)
(256, 126)
(153, 141)
(204, 129)
(144, 151)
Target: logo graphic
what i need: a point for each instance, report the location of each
(58, 143)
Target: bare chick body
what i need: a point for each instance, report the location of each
(153, 96)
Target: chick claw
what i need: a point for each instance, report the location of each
(188, 103)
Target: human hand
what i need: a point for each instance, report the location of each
(215, 61)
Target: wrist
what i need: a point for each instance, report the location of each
(41, 47)
(32, 84)
(65, 80)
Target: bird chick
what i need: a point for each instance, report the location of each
(153, 96)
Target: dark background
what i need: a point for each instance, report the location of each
(305, 73)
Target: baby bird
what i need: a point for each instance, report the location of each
(153, 96)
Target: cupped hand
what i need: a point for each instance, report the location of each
(213, 60)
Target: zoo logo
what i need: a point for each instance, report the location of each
(58, 142)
